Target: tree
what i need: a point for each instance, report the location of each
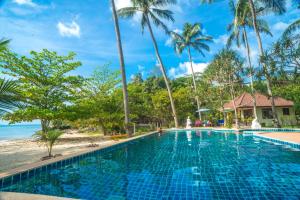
(152, 10)
(46, 89)
(100, 101)
(275, 6)
(225, 72)
(191, 37)
(122, 66)
(3, 44)
(291, 28)
(8, 88)
(238, 28)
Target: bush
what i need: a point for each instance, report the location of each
(229, 120)
(49, 139)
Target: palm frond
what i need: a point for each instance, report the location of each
(127, 12)
(292, 28)
(3, 44)
(8, 95)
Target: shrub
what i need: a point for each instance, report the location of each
(49, 139)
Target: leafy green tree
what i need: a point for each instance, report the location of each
(46, 87)
(100, 101)
(191, 37)
(225, 71)
(152, 10)
(122, 66)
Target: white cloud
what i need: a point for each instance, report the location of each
(122, 4)
(280, 26)
(25, 2)
(185, 69)
(222, 39)
(69, 29)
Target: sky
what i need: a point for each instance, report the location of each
(86, 28)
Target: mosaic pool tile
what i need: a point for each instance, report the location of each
(171, 166)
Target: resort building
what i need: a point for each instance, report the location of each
(244, 104)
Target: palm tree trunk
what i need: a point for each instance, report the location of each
(122, 66)
(251, 72)
(194, 82)
(260, 47)
(163, 72)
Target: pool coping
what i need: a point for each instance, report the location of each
(24, 171)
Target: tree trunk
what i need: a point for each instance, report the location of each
(237, 125)
(163, 73)
(251, 72)
(260, 47)
(122, 67)
(45, 125)
(194, 82)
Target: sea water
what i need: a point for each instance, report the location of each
(9, 132)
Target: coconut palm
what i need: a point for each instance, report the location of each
(276, 6)
(3, 44)
(292, 28)
(191, 37)
(122, 66)
(153, 11)
(238, 28)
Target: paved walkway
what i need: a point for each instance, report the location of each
(284, 136)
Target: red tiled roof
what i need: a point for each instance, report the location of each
(245, 101)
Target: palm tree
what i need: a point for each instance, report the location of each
(122, 66)
(191, 37)
(8, 95)
(3, 44)
(152, 10)
(276, 6)
(292, 28)
(238, 28)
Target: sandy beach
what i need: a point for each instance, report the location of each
(15, 153)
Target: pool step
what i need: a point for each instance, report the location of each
(24, 196)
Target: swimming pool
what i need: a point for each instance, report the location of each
(176, 165)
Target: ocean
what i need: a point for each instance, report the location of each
(9, 132)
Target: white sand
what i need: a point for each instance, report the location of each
(15, 153)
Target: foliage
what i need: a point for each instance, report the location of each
(49, 139)
(229, 120)
(46, 89)
(9, 96)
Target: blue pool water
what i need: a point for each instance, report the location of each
(8, 132)
(177, 165)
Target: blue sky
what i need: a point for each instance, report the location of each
(86, 27)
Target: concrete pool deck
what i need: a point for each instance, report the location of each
(293, 137)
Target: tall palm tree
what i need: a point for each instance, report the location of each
(238, 28)
(153, 10)
(122, 66)
(276, 6)
(191, 37)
